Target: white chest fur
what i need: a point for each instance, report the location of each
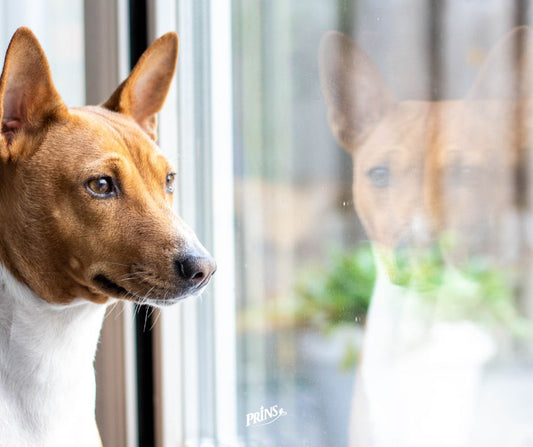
(47, 385)
(420, 373)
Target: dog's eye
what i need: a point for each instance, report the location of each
(169, 182)
(379, 176)
(101, 187)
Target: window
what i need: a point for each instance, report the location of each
(271, 355)
(51, 23)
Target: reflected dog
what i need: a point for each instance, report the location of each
(424, 171)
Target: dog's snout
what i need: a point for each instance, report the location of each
(197, 269)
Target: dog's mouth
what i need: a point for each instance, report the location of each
(140, 283)
(165, 298)
(111, 288)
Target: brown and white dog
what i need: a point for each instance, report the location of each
(422, 170)
(85, 217)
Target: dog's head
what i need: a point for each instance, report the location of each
(425, 169)
(85, 193)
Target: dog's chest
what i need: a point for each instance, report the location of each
(47, 387)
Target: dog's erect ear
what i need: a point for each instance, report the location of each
(143, 93)
(504, 87)
(355, 93)
(28, 98)
(506, 75)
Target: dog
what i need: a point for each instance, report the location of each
(85, 219)
(424, 170)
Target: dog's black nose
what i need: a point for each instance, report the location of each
(196, 269)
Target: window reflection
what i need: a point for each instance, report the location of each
(434, 184)
(407, 323)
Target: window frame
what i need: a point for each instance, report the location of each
(195, 342)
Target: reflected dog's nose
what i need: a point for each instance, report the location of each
(196, 269)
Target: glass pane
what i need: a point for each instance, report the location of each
(58, 24)
(382, 218)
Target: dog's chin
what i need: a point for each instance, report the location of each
(170, 297)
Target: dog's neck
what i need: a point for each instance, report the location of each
(47, 384)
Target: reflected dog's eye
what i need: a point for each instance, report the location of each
(464, 175)
(169, 182)
(101, 187)
(379, 176)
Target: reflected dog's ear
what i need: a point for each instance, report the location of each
(28, 98)
(143, 93)
(502, 91)
(506, 74)
(355, 93)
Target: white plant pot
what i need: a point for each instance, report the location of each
(420, 378)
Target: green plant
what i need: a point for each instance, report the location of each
(338, 293)
(476, 289)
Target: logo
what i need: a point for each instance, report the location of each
(265, 416)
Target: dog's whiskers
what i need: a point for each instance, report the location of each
(132, 275)
(155, 320)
